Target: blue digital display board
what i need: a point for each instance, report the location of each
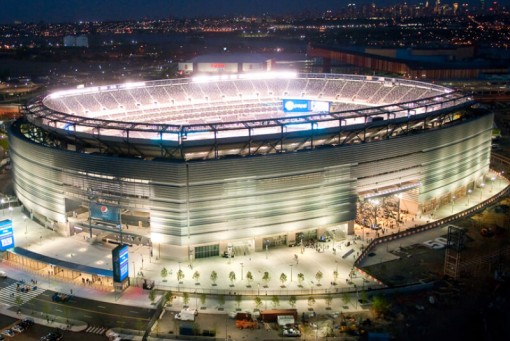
(6, 235)
(120, 262)
(296, 105)
(104, 212)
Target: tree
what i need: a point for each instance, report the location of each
(301, 279)
(329, 299)
(169, 297)
(232, 277)
(249, 277)
(258, 302)
(266, 278)
(196, 276)
(335, 276)
(239, 299)
(346, 298)
(152, 296)
(202, 299)
(221, 301)
(380, 305)
(185, 298)
(275, 300)
(214, 277)
(318, 277)
(164, 274)
(180, 275)
(364, 296)
(292, 301)
(311, 301)
(19, 301)
(283, 279)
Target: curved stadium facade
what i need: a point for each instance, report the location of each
(245, 161)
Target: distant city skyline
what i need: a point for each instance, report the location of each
(57, 11)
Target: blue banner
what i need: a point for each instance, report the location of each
(6, 235)
(120, 262)
(104, 212)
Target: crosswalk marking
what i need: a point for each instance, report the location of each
(95, 330)
(8, 294)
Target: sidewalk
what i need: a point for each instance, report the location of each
(276, 262)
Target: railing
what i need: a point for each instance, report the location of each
(429, 226)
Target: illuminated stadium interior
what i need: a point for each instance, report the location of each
(218, 108)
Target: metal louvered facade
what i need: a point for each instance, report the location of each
(253, 174)
(200, 202)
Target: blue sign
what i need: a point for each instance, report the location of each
(296, 105)
(104, 212)
(6, 235)
(120, 262)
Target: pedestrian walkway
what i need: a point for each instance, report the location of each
(96, 330)
(9, 295)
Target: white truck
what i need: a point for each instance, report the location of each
(186, 315)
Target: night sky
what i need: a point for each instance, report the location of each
(89, 10)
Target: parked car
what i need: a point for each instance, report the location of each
(8, 332)
(18, 328)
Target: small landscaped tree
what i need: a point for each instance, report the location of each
(258, 302)
(379, 305)
(283, 279)
(214, 277)
(346, 298)
(221, 301)
(185, 298)
(292, 301)
(318, 277)
(169, 297)
(328, 299)
(301, 279)
(202, 299)
(239, 299)
(311, 301)
(164, 274)
(335, 276)
(266, 278)
(152, 296)
(249, 278)
(275, 300)
(180, 275)
(196, 276)
(232, 277)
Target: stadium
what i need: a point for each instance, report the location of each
(244, 162)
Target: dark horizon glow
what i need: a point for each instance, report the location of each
(59, 11)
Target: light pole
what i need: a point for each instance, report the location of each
(242, 267)
(492, 183)
(482, 186)
(134, 269)
(469, 194)
(399, 196)
(291, 272)
(453, 202)
(26, 224)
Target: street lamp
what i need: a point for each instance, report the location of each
(291, 272)
(399, 196)
(453, 202)
(134, 269)
(492, 183)
(469, 194)
(482, 186)
(26, 224)
(242, 267)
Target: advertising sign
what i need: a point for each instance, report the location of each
(104, 212)
(296, 105)
(6, 235)
(319, 106)
(120, 263)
